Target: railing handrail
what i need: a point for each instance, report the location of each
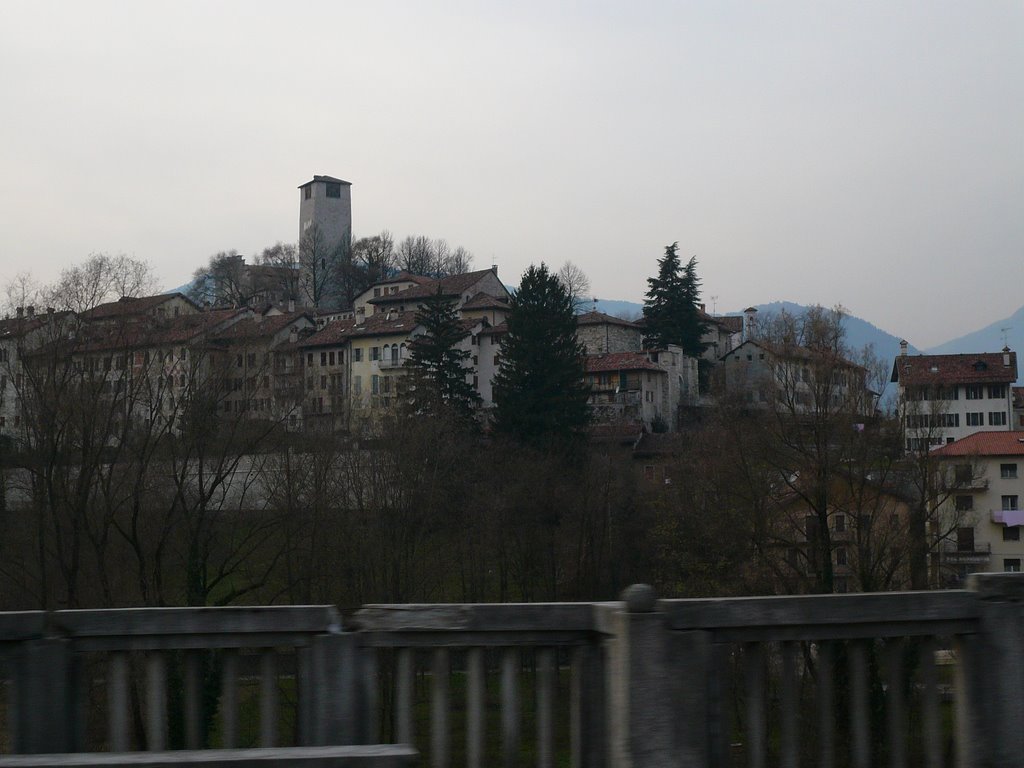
(826, 617)
(476, 624)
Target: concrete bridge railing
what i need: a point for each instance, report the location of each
(898, 679)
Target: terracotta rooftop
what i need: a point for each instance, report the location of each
(985, 444)
(620, 361)
(978, 368)
(485, 301)
(379, 324)
(452, 285)
(331, 335)
(127, 306)
(250, 328)
(600, 318)
(495, 330)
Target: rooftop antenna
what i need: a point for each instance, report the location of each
(714, 306)
(1003, 331)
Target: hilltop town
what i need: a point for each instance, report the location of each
(310, 385)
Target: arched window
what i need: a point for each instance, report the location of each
(394, 353)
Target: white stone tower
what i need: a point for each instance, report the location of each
(325, 226)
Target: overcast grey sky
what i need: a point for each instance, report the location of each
(863, 153)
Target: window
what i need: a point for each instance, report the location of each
(323, 382)
(996, 391)
(649, 472)
(997, 418)
(963, 473)
(1011, 533)
(375, 353)
(841, 556)
(333, 190)
(963, 503)
(376, 292)
(840, 523)
(357, 385)
(976, 419)
(375, 384)
(238, 361)
(973, 391)
(965, 539)
(309, 359)
(385, 384)
(1008, 471)
(1011, 564)
(323, 358)
(357, 354)
(308, 191)
(1010, 502)
(330, 358)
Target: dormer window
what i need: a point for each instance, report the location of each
(981, 365)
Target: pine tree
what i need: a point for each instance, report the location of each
(539, 391)
(437, 376)
(672, 309)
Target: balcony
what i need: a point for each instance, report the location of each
(386, 363)
(953, 554)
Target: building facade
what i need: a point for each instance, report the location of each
(945, 398)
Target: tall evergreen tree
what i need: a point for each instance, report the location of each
(672, 308)
(539, 390)
(437, 379)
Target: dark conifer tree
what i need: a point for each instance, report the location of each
(437, 379)
(672, 308)
(539, 391)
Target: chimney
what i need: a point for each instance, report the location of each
(703, 307)
(1006, 357)
(49, 310)
(20, 312)
(30, 311)
(749, 323)
(494, 268)
(903, 347)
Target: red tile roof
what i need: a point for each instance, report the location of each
(600, 318)
(620, 361)
(980, 368)
(127, 306)
(485, 301)
(250, 328)
(452, 285)
(331, 335)
(985, 444)
(379, 325)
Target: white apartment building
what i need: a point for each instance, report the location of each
(985, 472)
(945, 398)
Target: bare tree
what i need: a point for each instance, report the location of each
(322, 266)
(101, 278)
(576, 283)
(221, 282)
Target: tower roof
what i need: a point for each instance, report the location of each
(330, 179)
